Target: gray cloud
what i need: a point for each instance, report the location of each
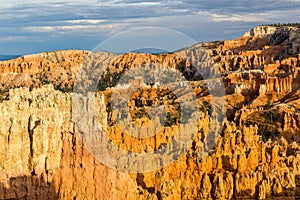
(32, 26)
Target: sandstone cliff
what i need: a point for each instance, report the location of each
(256, 156)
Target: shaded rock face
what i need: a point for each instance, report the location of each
(43, 158)
(256, 156)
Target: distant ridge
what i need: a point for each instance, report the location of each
(151, 51)
(8, 57)
(295, 24)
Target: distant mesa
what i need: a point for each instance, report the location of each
(151, 51)
(8, 57)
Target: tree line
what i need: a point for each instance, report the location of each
(284, 24)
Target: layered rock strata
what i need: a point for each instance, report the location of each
(255, 156)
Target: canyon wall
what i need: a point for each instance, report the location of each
(43, 156)
(255, 156)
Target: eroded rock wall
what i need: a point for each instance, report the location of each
(257, 155)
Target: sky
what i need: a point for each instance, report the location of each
(32, 26)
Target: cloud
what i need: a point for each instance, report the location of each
(248, 17)
(241, 6)
(13, 38)
(94, 20)
(86, 21)
(75, 29)
(14, 2)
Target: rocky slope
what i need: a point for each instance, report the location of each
(256, 156)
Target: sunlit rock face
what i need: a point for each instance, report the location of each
(255, 156)
(261, 31)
